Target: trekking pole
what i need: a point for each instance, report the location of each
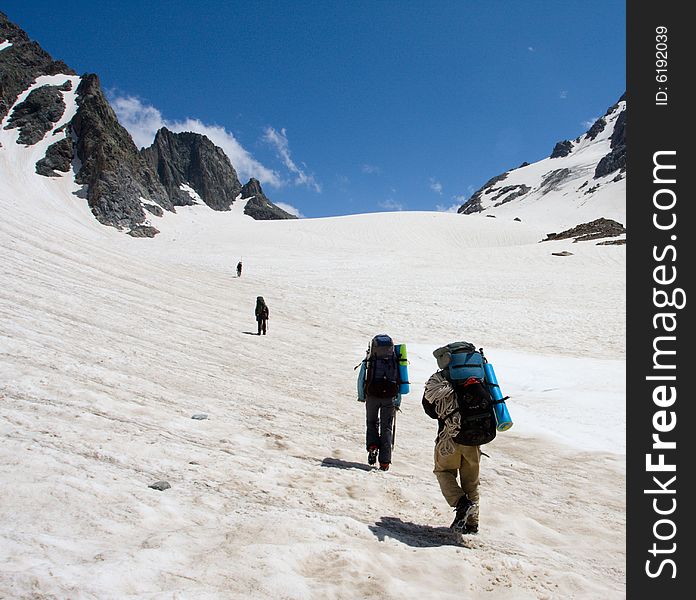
(394, 429)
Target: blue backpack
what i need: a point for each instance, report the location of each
(463, 366)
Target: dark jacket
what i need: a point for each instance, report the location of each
(261, 310)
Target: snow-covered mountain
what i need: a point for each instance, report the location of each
(150, 447)
(57, 123)
(582, 180)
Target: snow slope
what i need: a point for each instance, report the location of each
(109, 344)
(562, 192)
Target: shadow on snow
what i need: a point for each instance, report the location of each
(344, 464)
(412, 534)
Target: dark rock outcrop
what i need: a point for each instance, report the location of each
(58, 157)
(153, 209)
(143, 231)
(473, 204)
(192, 159)
(553, 179)
(35, 116)
(599, 228)
(116, 175)
(160, 485)
(22, 63)
(258, 206)
(616, 159)
(597, 128)
(562, 149)
(492, 195)
(119, 182)
(512, 191)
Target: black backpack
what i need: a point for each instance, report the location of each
(478, 424)
(382, 376)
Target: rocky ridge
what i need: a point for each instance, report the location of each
(584, 175)
(21, 63)
(258, 205)
(192, 160)
(593, 230)
(123, 186)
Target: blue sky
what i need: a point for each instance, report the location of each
(355, 106)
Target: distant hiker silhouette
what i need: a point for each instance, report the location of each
(379, 386)
(239, 269)
(261, 313)
(457, 397)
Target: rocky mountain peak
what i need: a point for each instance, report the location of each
(119, 181)
(572, 174)
(21, 63)
(191, 160)
(252, 188)
(562, 149)
(259, 206)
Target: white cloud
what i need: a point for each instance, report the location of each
(589, 123)
(142, 121)
(530, 48)
(371, 169)
(449, 209)
(391, 204)
(563, 94)
(279, 141)
(459, 199)
(289, 208)
(435, 185)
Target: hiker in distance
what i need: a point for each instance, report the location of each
(261, 313)
(239, 269)
(458, 398)
(381, 381)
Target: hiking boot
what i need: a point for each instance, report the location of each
(383, 466)
(470, 529)
(372, 455)
(464, 508)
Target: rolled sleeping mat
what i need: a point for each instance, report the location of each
(502, 415)
(361, 381)
(402, 358)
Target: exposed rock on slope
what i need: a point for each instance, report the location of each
(597, 229)
(117, 177)
(22, 63)
(193, 160)
(582, 180)
(189, 162)
(59, 157)
(616, 159)
(35, 116)
(258, 206)
(124, 187)
(562, 149)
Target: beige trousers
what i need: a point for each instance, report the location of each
(464, 461)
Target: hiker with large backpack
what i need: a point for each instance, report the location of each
(261, 312)
(459, 397)
(381, 381)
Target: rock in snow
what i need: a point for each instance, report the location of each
(160, 485)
